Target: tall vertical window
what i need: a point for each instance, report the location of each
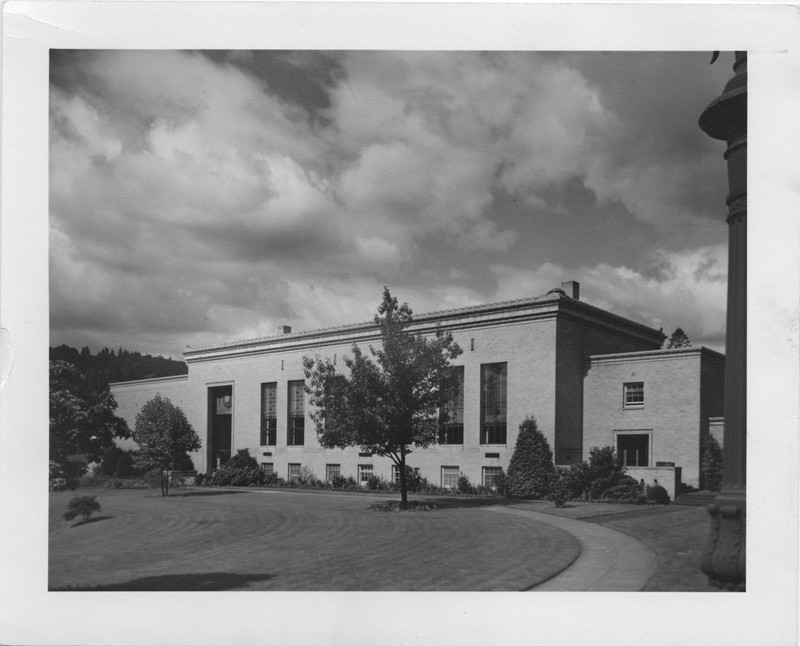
(633, 394)
(294, 471)
(453, 412)
(297, 416)
(269, 414)
(493, 403)
(450, 477)
(267, 468)
(395, 474)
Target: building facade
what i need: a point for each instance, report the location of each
(553, 357)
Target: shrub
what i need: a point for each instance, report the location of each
(414, 481)
(658, 495)
(626, 490)
(711, 464)
(272, 479)
(308, 478)
(603, 471)
(531, 470)
(244, 477)
(559, 491)
(597, 478)
(373, 483)
(463, 486)
(183, 462)
(81, 506)
(242, 460)
(338, 481)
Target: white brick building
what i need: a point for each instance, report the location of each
(567, 363)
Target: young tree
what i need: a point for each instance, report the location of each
(679, 339)
(83, 506)
(164, 436)
(531, 470)
(82, 420)
(391, 404)
(711, 464)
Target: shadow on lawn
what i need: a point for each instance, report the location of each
(447, 502)
(91, 520)
(208, 493)
(203, 582)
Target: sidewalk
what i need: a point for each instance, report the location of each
(609, 560)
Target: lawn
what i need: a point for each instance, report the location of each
(225, 539)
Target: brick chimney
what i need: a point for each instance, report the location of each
(572, 289)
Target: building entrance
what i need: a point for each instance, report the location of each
(220, 424)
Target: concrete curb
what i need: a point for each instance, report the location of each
(609, 561)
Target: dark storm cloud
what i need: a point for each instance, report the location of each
(298, 77)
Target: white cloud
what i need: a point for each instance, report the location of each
(678, 289)
(187, 199)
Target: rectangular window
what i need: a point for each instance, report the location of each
(267, 468)
(297, 416)
(294, 472)
(633, 449)
(395, 474)
(493, 403)
(634, 394)
(269, 414)
(490, 476)
(450, 477)
(332, 471)
(453, 413)
(364, 473)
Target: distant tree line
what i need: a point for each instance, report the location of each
(107, 366)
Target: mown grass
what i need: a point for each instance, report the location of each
(219, 539)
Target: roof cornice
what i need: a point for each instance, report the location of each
(151, 380)
(655, 355)
(453, 320)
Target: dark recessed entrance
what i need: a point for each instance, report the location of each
(220, 417)
(633, 450)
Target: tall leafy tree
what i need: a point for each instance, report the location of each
(531, 471)
(164, 436)
(679, 339)
(82, 420)
(390, 401)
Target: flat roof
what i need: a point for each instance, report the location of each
(552, 303)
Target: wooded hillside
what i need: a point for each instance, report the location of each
(108, 366)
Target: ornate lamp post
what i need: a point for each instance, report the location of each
(724, 554)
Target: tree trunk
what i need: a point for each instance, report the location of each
(403, 483)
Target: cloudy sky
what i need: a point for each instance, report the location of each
(208, 196)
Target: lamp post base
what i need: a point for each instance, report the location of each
(724, 554)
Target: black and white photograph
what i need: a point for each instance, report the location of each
(342, 319)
